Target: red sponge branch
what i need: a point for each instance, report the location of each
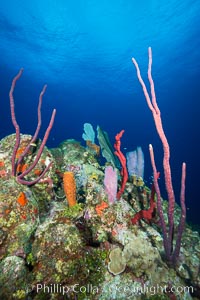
(147, 214)
(122, 159)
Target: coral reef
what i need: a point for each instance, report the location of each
(90, 250)
(72, 228)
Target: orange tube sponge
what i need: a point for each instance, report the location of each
(22, 200)
(69, 186)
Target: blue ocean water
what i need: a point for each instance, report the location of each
(82, 50)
